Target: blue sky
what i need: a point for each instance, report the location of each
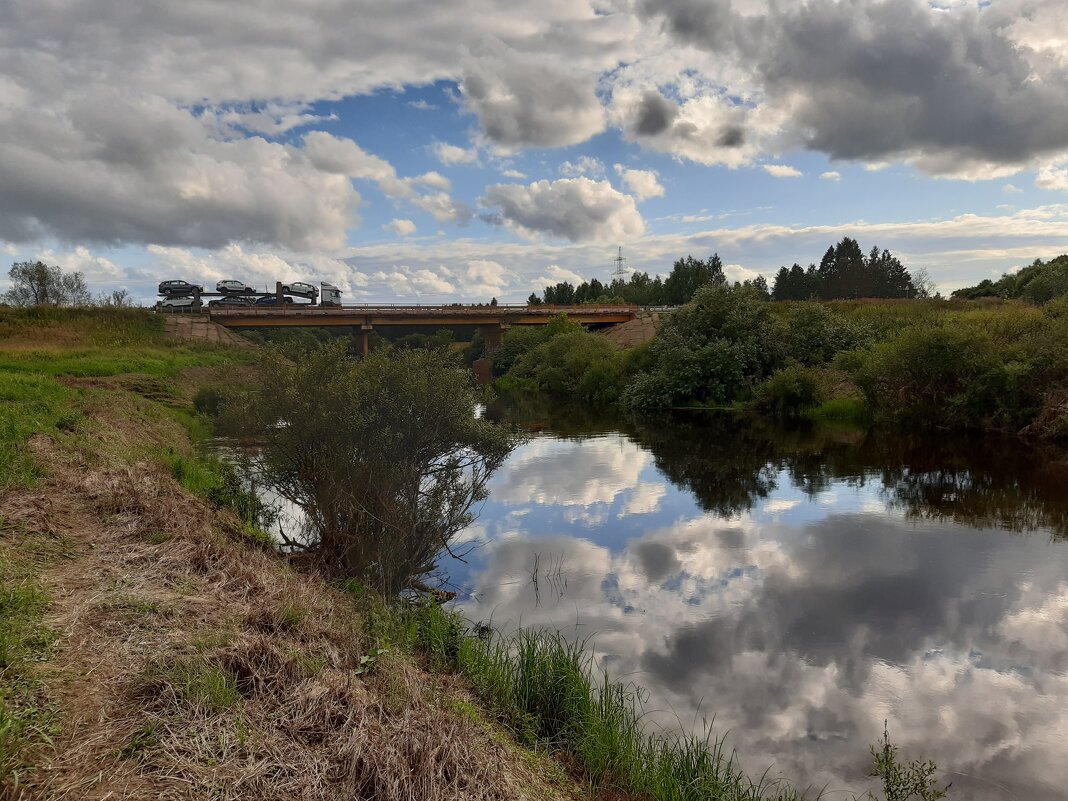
(462, 150)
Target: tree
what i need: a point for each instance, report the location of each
(386, 457)
(923, 283)
(37, 284)
(690, 274)
(533, 300)
(116, 299)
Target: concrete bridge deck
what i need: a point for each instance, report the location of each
(492, 320)
(367, 315)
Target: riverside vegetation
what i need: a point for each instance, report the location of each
(993, 364)
(154, 644)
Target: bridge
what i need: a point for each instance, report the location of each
(493, 321)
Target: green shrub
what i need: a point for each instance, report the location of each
(710, 351)
(207, 401)
(789, 392)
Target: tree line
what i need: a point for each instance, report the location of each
(34, 283)
(1041, 282)
(843, 272)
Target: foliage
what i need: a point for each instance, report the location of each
(686, 277)
(544, 688)
(903, 782)
(789, 392)
(1041, 282)
(520, 340)
(386, 457)
(708, 352)
(845, 272)
(577, 365)
(34, 283)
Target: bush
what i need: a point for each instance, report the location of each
(709, 352)
(576, 365)
(789, 392)
(206, 401)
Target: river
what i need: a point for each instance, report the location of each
(800, 586)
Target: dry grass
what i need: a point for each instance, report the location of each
(192, 663)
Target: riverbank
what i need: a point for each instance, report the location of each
(152, 647)
(988, 365)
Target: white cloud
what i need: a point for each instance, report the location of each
(400, 227)
(1010, 189)
(831, 175)
(405, 280)
(555, 274)
(94, 267)
(485, 277)
(782, 171)
(576, 209)
(589, 166)
(527, 100)
(643, 184)
(1053, 176)
(452, 154)
(516, 174)
(443, 208)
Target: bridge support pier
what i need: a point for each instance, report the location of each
(492, 335)
(365, 331)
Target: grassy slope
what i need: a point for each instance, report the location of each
(149, 648)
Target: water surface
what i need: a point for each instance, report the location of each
(801, 586)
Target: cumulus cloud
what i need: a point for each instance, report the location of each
(586, 165)
(577, 209)
(856, 78)
(708, 128)
(1053, 176)
(405, 280)
(485, 277)
(643, 184)
(452, 154)
(782, 171)
(831, 175)
(400, 227)
(529, 101)
(514, 174)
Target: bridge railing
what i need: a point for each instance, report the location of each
(443, 310)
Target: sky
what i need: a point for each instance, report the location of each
(459, 150)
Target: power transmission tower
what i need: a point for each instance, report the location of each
(620, 273)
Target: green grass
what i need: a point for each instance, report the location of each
(200, 686)
(544, 688)
(41, 347)
(850, 409)
(219, 484)
(25, 718)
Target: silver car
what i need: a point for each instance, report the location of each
(230, 285)
(301, 288)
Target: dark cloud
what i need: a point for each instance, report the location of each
(731, 136)
(655, 114)
(869, 81)
(576, 209)
(657, 560)
(524, 101)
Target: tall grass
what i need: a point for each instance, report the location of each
(544, 688)
(41, 347)
(24, 717)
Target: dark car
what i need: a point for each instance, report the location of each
(272, 300)
(232, 302)
(178, 288)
